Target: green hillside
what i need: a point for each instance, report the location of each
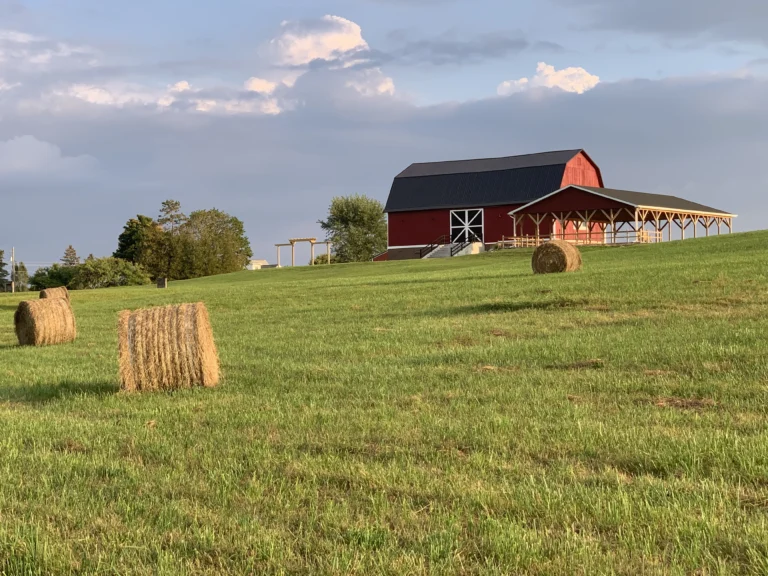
(443, 416)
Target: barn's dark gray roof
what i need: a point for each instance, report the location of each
(654, 200)
(478, 183)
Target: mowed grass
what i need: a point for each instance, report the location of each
(456, 416)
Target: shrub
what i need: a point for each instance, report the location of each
(108, 273)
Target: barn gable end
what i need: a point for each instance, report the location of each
(582, 171)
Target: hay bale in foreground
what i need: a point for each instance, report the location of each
(55, 293)
(556, 256)
(45, 322)
(167, 348)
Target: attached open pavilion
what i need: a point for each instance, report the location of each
(588, 215)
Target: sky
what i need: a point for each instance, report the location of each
(269, 109)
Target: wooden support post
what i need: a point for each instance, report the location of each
(312, 248)
(729, 223)
(719, 222)
(328, 251)
(293, 254)
(278, 256)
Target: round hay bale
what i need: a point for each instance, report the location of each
(556, 256)
(55, 293)
(167, 348)
(45, 322)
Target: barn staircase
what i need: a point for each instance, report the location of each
(444, 248)
(442, 251)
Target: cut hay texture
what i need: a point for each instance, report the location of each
(556, 256)
(55, 293)
(167, 348)
(45, 322)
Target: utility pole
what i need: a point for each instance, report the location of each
(13, 270)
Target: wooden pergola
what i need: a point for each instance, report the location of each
(312, 241)
(587, 215)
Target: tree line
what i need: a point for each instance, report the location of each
(206, 242)
(173, 246)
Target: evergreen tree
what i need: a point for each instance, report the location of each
(21, 277)
(3, 271)
(357, 227)
(133, 242)
(171, 217)
(70, 257)
(169, 249)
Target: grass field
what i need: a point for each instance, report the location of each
(456, 416)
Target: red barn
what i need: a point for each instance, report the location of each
(442, 203)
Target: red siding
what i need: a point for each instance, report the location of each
(382, 257)
(573, 199)
(582, 171)
(424, 227)
(418, 228)
(499, 223)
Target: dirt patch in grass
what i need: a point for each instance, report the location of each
(489, 368)
(660, 373)
(461, 341)
(695, 404)
(500, 333)
(593, 364)
(70, 446)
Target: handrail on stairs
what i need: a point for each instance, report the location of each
(471, 239)
(427, 250)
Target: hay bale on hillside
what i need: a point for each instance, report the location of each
(167, 348)
(556, 256)
(45, 322)
(55, 293)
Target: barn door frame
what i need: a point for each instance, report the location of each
(467, 220)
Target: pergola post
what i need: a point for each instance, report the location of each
(312, 249)
(729, 223)
(278, 256)
(328, 251)
(293, 253)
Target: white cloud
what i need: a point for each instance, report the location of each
(117, 94)
(7, 85)
(20, 50)
(571, 79)
(260, 85)
(330, 38)
(28, 157)
(335, 40)
(372, 83)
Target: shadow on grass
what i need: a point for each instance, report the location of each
(9, 307)
(44, 393)
(518, 306)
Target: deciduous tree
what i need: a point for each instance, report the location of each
(213, 242)
(357, 227)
